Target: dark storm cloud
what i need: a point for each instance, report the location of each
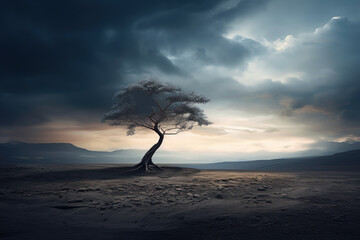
(20, 112)
(74, 54)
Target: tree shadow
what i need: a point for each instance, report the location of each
(103, 174)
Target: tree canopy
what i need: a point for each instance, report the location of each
(161, 107)
(151, 104)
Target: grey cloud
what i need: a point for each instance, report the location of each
(279, 18)
(329, 85)
(241, 9)
(337, 52)
(324, 100)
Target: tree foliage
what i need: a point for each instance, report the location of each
(155, 105)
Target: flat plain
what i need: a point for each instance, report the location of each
(109, 202)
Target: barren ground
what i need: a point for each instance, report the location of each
(105, 202)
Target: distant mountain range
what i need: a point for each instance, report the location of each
(343, 161)
(65, 153)
(57, 153)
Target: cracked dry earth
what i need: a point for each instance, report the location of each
(106, 202)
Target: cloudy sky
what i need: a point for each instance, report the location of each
(283, 76)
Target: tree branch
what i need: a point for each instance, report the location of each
(139, 124)
(152, 118)
(178, 131)
(157, 104)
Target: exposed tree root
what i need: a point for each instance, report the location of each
(146, 167)
(153, 164)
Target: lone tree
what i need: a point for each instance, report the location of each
(160, 107)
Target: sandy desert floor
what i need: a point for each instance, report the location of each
(106, 202)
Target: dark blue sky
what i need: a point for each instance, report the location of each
(282, 75)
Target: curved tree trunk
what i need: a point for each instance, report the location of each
(146, 161)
